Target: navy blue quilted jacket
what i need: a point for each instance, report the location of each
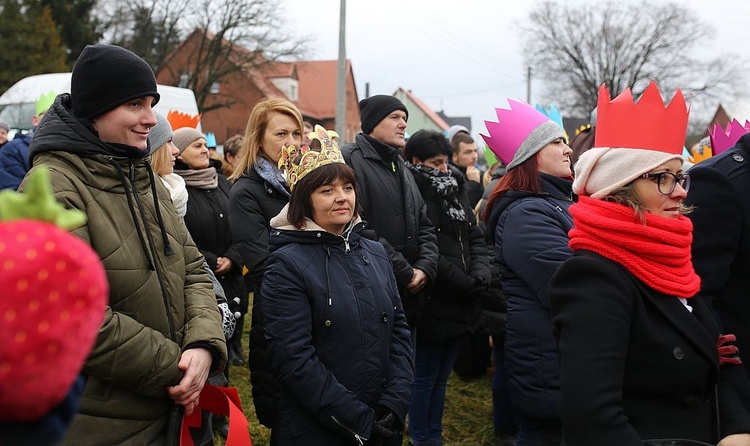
(530, 238)
(337, 335)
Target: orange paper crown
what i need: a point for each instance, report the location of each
(299, 162)
(648, 124)
(178, 120)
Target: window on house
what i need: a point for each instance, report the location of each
(215, 88)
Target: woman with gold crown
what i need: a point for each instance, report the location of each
(638, 350)
(337, 335)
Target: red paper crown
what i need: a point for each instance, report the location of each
(646, 125)
(178, 120)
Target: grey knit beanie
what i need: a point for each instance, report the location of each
(159, 134)
(4, 126)
(182, 137)
(536, 141)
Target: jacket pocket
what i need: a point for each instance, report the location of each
(97, 390)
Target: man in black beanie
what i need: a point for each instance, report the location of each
(390, 201)
(161, 334)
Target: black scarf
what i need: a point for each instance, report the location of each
(445, 186)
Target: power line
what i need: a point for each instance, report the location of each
(469, 93)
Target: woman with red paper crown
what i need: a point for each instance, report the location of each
(528, 222)
(638, 351)
(338, 341)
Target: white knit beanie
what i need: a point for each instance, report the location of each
(602, 170)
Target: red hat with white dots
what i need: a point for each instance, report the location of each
(53, 301)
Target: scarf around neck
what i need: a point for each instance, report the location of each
(272, 175)
(177, 191)
(207, 178)
(445, 186)
(657, 253)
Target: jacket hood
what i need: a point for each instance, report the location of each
(61, 130)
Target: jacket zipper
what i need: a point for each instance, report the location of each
(360, 439)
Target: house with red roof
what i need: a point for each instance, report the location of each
(310, 85)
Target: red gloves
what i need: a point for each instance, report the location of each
(728, 354)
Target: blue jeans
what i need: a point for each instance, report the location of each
(504, 416)
(433, 365)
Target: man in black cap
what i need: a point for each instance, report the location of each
(161, 333)
(390, 201)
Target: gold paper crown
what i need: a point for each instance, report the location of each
(322, 150)
(582, 128)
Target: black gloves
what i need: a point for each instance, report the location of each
(387, 426)
(480, 283)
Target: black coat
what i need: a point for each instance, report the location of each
(635, 363)
(253, 202)
(391, 204)
(337, 336)
(207, 220)
(720, 195)
(530, 240)
(454, 303)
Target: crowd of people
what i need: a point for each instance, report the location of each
(605, 285)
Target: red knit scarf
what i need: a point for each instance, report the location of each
(657, 253)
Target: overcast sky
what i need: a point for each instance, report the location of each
(463, 57)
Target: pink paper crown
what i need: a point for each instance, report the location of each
(646, 125)
(722, 139)
(512, 128)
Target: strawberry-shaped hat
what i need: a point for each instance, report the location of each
(54, 293)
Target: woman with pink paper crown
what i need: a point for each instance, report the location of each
(528, 222)
(639, 357)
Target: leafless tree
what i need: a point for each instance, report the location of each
(575, 50)
(233, 36)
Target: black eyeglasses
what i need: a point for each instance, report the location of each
(667, 181)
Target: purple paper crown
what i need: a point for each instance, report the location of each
(722, 139)
(512, 128)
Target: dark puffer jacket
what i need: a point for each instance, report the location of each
(337, 335)
(454, 303)
(393, 208)
(530, 237)
(253, 202)
(207, 220)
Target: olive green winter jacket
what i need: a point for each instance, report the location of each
(161, 300)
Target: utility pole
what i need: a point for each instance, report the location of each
(528, 84)
(341, 78)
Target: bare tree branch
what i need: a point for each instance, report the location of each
(575, 50)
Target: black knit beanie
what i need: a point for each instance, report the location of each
(375, 108)
(106, 76)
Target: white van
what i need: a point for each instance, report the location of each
(17, 103)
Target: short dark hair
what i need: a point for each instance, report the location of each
(425, 144)
(300, 203)
(460, 137)
(233, 145)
